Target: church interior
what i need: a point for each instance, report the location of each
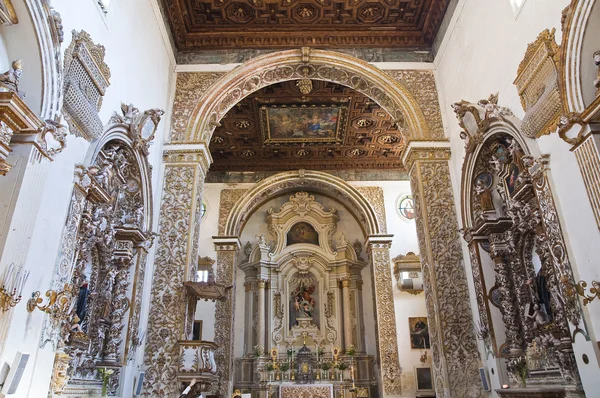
(299, 198)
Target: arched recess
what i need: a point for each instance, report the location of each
(581, 27)
(101, 263)
(316, 181)
(39, 31)
(521, 270)
(300, 64)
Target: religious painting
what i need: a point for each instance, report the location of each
(486, 179)
(424, 379)
(419, 333)
(511, 180)
(303, 308)
(298, 124)
(500, 153)
(406, 207)
(302, 232)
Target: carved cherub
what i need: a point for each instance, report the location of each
(9, 80)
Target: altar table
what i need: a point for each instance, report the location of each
(306, 391)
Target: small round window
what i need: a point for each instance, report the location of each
(406, 207)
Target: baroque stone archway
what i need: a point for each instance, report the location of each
(302, 63)
(377, 242)
(187, 160)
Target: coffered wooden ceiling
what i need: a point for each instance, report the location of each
(332, 127)
(277, 24)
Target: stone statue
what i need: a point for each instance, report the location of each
(485, 196)
(516, 152)
(539, 317)
(9, 80)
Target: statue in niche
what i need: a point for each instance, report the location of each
(82, 299)
(485, 196)
(302, 232)
(516, 152)
(303, 304)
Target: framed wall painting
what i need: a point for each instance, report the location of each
(419, 333)
(423, 379)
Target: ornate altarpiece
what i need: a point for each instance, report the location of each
(100, 268)
(302, 292)
(521, 269)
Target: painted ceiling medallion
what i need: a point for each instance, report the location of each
(242, 124)
(217, 139)
(248, 153)
(356, 152)
(302, 152)
(388, 139)
(219, 24)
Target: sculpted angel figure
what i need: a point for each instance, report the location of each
(9, 80)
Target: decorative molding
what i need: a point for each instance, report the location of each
(446, 290)
(288, 65)
(86, 80)
(538, 85)
(229, 197)
(378, 248)
(374, 196)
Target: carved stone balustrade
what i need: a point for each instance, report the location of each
(537, 392)
(197, 360)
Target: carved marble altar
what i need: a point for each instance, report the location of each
(308, 276)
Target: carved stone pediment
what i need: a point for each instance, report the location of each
(302, 208)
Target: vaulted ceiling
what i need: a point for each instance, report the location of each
(327, 127)
(278, 24)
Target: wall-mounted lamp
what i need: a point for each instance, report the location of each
(11, 286)
(59, 304)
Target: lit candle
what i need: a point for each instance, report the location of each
(504, 386)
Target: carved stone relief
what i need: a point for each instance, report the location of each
(375, 197)
(453, 344)
(86, 80)
(229, 197)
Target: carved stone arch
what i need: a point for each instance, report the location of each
(315, 181)
(120, 132)
(298, 64)
(576, 19)
(496, 127)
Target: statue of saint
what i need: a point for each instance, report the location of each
(485, 196)
(304, 304)
(9, 80)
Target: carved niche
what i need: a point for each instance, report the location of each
(86, 78)
(537, 82)
(102, 258)
(514, 239)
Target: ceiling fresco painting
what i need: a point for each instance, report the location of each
(283, 127)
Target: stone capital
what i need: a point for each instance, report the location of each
(189, 153)
(425, 151)
(378, 242)
(227, 243)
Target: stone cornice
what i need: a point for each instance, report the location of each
(425, 151)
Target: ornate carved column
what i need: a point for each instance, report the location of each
(260, 319)
(226, 248)
(175, 262)
(378, 247)
(453, 342)
(248, 346)
(345, 283)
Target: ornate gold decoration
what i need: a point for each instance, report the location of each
(305, 86)
(449, 315)
(379, 252)
(374, 196)
(580, 289)
(537, 83)
(190, 87)
(8, 16)
(229, 197)
(175, 261)
(11, 287)
(411, 263)
(59, 304)
(287, 65)
(60, 376)
(86, 80)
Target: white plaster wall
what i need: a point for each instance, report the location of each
(480, 56)
(141, 69)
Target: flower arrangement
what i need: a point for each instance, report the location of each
(284, 367)
(351, 350)
(258, 350)
(269, 366)
(341, 366)
(326, 365)
(105, 375)
(519, 367)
